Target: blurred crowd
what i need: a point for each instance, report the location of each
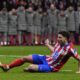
(44, 4)
(30, 22)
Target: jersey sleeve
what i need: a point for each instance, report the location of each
(73, 51)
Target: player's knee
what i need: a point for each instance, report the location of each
(27, 58)
(31, 66)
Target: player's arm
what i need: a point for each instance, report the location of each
(47, 43)
(76, 56)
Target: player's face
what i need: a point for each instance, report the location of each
(61, 39)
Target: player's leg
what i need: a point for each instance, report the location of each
(20, 61)
(38, 68)
(17, 62)
(35, 59)
(39, 64)
(31, 68)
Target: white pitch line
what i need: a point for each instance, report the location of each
(13, 56)
(66, 70)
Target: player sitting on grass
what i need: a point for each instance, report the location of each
(61, 52)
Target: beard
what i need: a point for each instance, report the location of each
(61, 43)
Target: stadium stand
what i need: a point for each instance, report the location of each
(30, 22)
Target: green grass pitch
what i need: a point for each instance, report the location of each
(11, 53)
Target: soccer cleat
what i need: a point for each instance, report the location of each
(4, 67)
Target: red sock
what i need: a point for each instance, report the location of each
(15, 63)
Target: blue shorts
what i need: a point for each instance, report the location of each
(42, 63)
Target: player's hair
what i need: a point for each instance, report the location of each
(65, 34)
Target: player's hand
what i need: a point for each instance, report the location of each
(47, 42)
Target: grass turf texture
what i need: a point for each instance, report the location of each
(18, 74)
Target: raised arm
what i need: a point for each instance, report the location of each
(76, 56)
(47, 43)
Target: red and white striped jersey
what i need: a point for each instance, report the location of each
(60, 55)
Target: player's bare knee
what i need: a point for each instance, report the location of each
(27, 58)
(31, 66)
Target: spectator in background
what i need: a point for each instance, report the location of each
(30, 25)
(37, 25)
(52, 22)
(71, 21)
(78, 19)
(13, 26)
(61, 5)
(22, 26)
(44, 27)
(1, 4)
(4, 26)
(62, 21)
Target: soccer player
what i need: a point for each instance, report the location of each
(61, 52)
